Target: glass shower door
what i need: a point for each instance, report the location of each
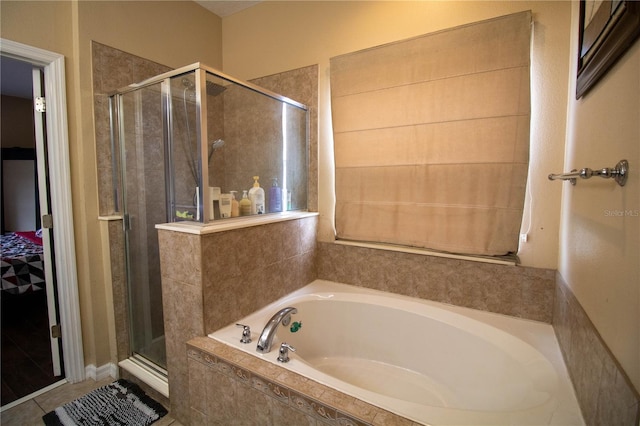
(140, 114)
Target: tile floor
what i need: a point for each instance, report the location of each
(30, 412)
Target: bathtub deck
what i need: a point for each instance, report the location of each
(293, 394)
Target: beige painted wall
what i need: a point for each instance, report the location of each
(600, 224)
(19, 113)
(173, 33)
(276, 36)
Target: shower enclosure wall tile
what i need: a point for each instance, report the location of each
(180, 257)
(605, 394)
(112, 69)
(119, 289)
(289, 241)
(247, 268)
(211, 280)
(183, 320)
(301, 85)
(143, 69)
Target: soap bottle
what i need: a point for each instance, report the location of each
(235, 207)
(225, 205)
(275, 197)
(256, 195)
(245, 204)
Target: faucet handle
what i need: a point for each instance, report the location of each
(246, 333)
(284, 352)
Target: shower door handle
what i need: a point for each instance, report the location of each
(126, 222)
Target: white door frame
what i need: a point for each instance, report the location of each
(43, 196)
(60, 187)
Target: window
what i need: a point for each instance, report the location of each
(432, 138)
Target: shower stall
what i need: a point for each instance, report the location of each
(182, 141)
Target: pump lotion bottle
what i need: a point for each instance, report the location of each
(256, 195)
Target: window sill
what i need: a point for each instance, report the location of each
(426, 252)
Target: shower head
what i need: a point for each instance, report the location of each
(215, 145)
(218, 143)
(213, 89)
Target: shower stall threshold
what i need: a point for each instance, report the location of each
(155, 379)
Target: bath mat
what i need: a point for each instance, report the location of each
(119, 403)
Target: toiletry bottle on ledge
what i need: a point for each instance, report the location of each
(235, 207)
(286, 199)
(225, 205)
(245, 204)
(256, 195)
(275, 197)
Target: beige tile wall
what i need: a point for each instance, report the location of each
(119, 290)
(300, 85)
(229, 387)
(248, 269)
(604, 392)
(183, 307)
(212, 280)
(112, 70)
(511, 290)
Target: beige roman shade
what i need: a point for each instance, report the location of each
(432, 138)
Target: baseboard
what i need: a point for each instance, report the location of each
(102, 372)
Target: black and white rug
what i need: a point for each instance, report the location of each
(119, 403)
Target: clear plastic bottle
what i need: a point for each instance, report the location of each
(275, 197)
(245, 204)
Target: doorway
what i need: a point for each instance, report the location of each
(46, 70)
(30, 351)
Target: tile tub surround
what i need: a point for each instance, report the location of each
(605, 394)
(230, 387)
(518, 291)
(210, 280)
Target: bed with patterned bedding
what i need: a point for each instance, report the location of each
(22, 263)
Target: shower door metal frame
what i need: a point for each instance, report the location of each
(119, 140)
(204, 204)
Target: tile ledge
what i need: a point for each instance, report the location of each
(110, 217)
(230, 224)
(424, 252)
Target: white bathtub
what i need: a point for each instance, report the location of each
(430, 362)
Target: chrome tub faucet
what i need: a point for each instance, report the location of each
(266, 337)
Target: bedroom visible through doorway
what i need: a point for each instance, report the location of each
(31, 351)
